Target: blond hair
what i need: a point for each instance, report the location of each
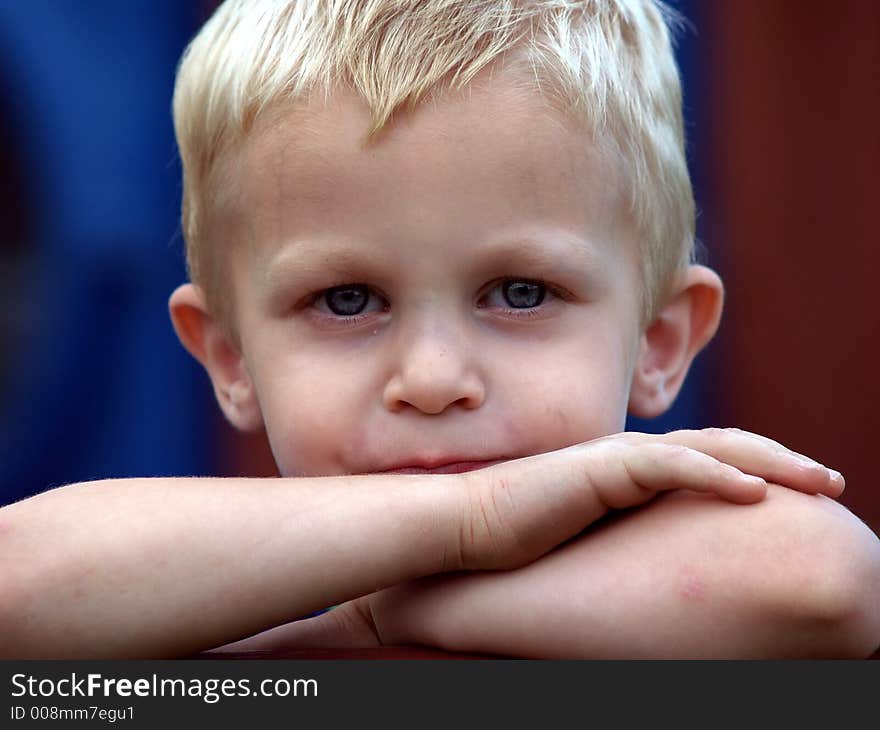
(610, 62)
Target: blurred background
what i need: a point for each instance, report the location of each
(782, 101)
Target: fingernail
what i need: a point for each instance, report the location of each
(836, 476)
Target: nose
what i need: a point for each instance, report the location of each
(433, 371)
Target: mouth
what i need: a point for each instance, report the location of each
(456, 467)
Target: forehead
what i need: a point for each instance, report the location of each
(494, 156)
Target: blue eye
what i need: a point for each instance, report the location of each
(522, 294)
(348, 300)
(521, 297)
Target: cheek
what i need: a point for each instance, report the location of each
(310, 420)
(578, 409)
(575, 393)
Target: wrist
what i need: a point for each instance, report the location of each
(424, 517)
(439, 504)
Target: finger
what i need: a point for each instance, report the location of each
(634, 472)
(764, 457)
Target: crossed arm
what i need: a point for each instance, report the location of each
(151, 568)
(687, 575)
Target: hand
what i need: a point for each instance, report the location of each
(521, 509)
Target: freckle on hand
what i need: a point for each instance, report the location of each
(692, 588)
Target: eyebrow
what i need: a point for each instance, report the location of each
(309, 256)
(545, 252)
(559, 253)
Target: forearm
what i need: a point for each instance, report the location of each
(164, 567)
(684, 577)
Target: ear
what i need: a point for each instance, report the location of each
(679, 331)
(209, 343)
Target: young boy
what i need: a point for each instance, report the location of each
(438, 250)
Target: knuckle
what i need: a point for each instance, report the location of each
(738, 433)
(680, 437)
(676, 452)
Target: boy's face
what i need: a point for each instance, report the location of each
(483, 288)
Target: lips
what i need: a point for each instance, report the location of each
(455, 467)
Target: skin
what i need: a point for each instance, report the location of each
(436, 366)
(439, 369)
(724, 582)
